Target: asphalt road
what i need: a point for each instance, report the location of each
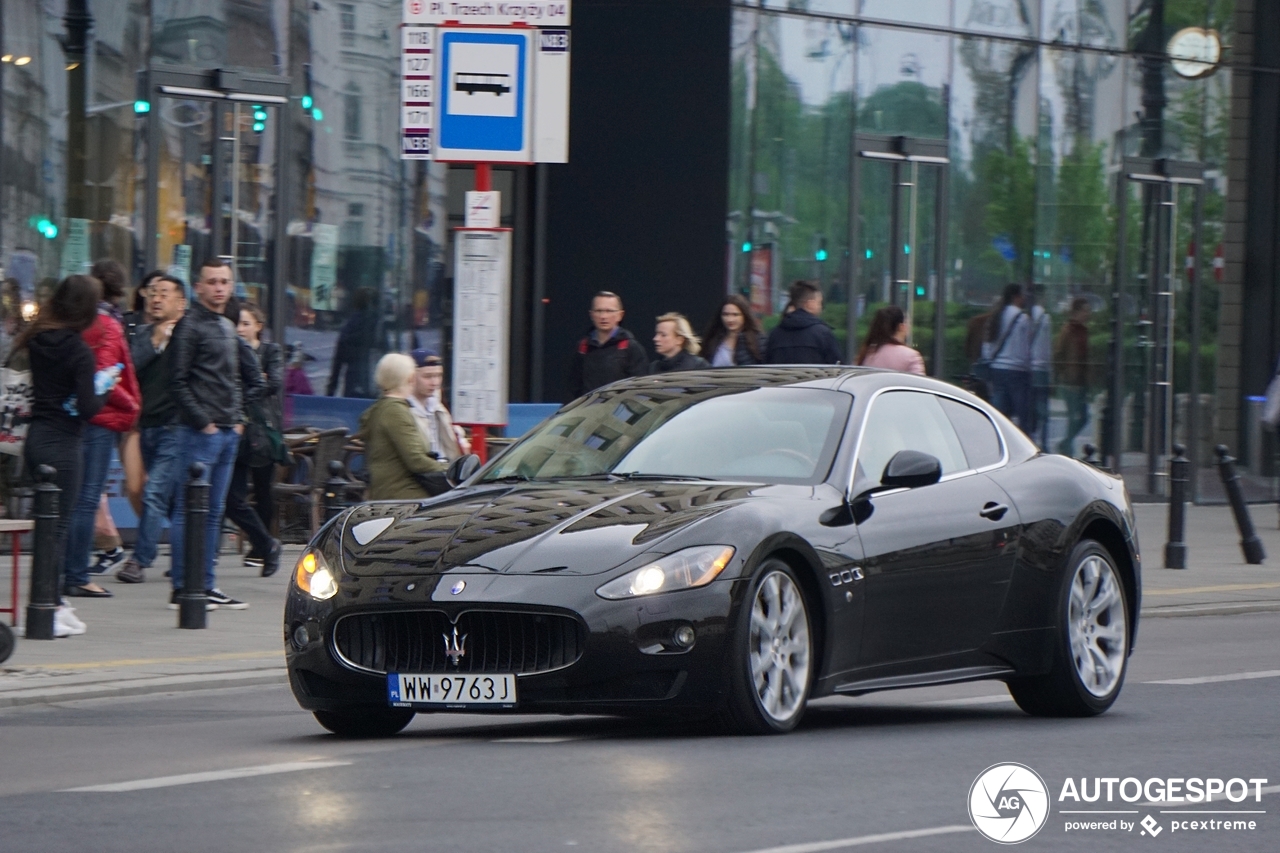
(858, 774)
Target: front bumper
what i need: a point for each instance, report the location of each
(628, 663)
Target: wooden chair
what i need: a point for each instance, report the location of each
(311, 466)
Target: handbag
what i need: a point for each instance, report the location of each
(16, 399)
(262, 445)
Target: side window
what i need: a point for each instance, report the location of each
(977, 434)
(909, 420)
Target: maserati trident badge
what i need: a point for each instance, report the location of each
(454, 647)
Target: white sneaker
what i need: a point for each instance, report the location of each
(66, 624)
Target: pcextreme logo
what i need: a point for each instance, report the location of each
(1008, 803)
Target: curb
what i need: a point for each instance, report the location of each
(142, 687)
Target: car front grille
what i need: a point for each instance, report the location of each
(490, 641)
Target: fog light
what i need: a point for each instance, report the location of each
(300, 637)
(684, 637)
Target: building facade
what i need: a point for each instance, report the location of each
(1114, 154)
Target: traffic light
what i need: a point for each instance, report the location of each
(819, 248)
(259, 118)
(746, 246)
(317, 114)
(44, 225)
(870, 254)
(307, 102)
(141, 107)
(919, 290)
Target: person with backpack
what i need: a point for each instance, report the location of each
(67, 390)
(608, 352)
(1008, 352)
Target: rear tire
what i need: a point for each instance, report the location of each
(771, 657)
(1091, 642)
(365, 722)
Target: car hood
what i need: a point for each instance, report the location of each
(578, 528)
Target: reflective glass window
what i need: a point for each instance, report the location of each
(908, 420)
(977, 434)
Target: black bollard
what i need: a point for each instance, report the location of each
(335, 491)
(1089, 450)
(1175, 550)
(1249, 541)
(42, 603)
(193, 602)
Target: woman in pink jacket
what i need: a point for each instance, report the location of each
(886, 343)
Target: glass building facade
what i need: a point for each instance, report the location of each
(265, 132)
(929, 152)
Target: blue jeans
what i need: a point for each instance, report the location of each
(1011, 394)
(162, 452)
(218, 453)
(95, 450)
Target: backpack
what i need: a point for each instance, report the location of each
(16, 399)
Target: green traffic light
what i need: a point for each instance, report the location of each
(47, 228)
(307, 103)
(820, 255)
(746, 247)
(141, 107)
(259, 114)
(869, 254)
(258, 127)
(919, 290)
(317, 114)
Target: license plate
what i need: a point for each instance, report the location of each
(407, 690)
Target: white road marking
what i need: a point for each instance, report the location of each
(859, 840)
(1213, 679)
(539, 739)
(210, 776)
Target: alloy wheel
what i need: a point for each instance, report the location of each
(1097, 625)
(779, 646)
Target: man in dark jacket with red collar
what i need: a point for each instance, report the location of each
(609, 352)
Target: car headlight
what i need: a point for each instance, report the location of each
(682, 570)
(313, 576)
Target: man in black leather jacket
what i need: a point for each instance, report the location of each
(211, 382)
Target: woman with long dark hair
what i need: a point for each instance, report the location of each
(733, 335)
(260, 448)
(886, 343)
(67, 390)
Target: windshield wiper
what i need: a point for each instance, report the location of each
(636, 475)
(510, 478)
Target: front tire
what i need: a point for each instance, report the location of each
(771, 666)
(365, 722)
(1091, 642)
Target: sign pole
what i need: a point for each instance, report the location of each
(479, 436)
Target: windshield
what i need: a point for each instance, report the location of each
(783, 435)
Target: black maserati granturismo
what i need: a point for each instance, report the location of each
(726, 543)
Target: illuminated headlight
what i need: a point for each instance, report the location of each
(681, 570)
(313, 576)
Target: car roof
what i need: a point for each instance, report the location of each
(837, 377)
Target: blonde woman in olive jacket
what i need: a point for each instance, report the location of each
(394, 451)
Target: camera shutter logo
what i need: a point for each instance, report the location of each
(1008, 803)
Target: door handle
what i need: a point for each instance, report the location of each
(993, 511)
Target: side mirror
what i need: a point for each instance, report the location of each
(910, 469)
(461, 469)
